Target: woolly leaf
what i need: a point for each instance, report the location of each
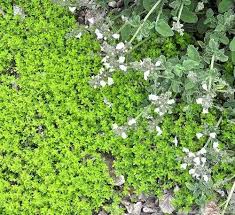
(163, 28)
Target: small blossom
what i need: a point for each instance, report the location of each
(115, 126)
(199, 135)
(102, 83)
(120, 46)
(72, 9)
(146, 75)
(124, 135)
(205, 110)
(153, 97)
(78, 36)
(159, 130)
(121, 59)
(186, 150)
(196, 160)
(205, 178)
(158, 63)
(183, 165)
(200, 6)
(202, 151)
(191, 171)
(199, 100)
(171, 101)
(99, 35)
(110, 81)
(91, 20)
(203, 159)
(132, 122)
(123, 68)
(204, 87)
(191, 155)
(116, 36)
(213, 135)
(215, 145)
(177, 26)
(175, 141)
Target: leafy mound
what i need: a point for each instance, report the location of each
(56, 129)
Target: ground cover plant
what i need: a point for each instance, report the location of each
(104, 101)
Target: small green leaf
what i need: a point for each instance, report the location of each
(193, 53)
(232, 45)
(188, 16)
(148, 4)
(163, 28)
(225, 5)
(233, 57)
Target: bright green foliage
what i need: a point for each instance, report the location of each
(55, 128)
(48, 116)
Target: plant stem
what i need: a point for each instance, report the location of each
(180, 12)
(145, 19)
(217, 125)
(229, 198)
(211, 67)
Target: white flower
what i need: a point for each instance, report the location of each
(146, 75)
(153, 97)
(202, 151)
(123, 68)
(157, 110)
(72, 9)
(121, 59)
(215, 145)
(159, 130)
(124, 135)
(196, 160)
(183, 165)
(203, 159)
(116, 36)
(199, 135)
(191, 155)
(99, 35)
(171, 101)
(120, 46)
(199, 100)
(200, 6)
(175, 141)
(191, 171)
(102, 83)
(79, 35)
(107, 65)
(204, 87)
(186, 150)
(158, 63)
(132, 122)
(205, 178)
(177, 26)
(110, 81)
(91, 20)
(114, 126)
(213, 135)
(205, 110)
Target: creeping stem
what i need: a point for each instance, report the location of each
(145, 19)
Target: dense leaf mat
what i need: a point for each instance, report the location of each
(55, 130)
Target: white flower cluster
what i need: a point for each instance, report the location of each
(200, 6)
(147, 66)
(122, 130)
(197, 164)
(162, 103)
(213, 138)
(206, 101)
(178, 27)
(114, 59)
